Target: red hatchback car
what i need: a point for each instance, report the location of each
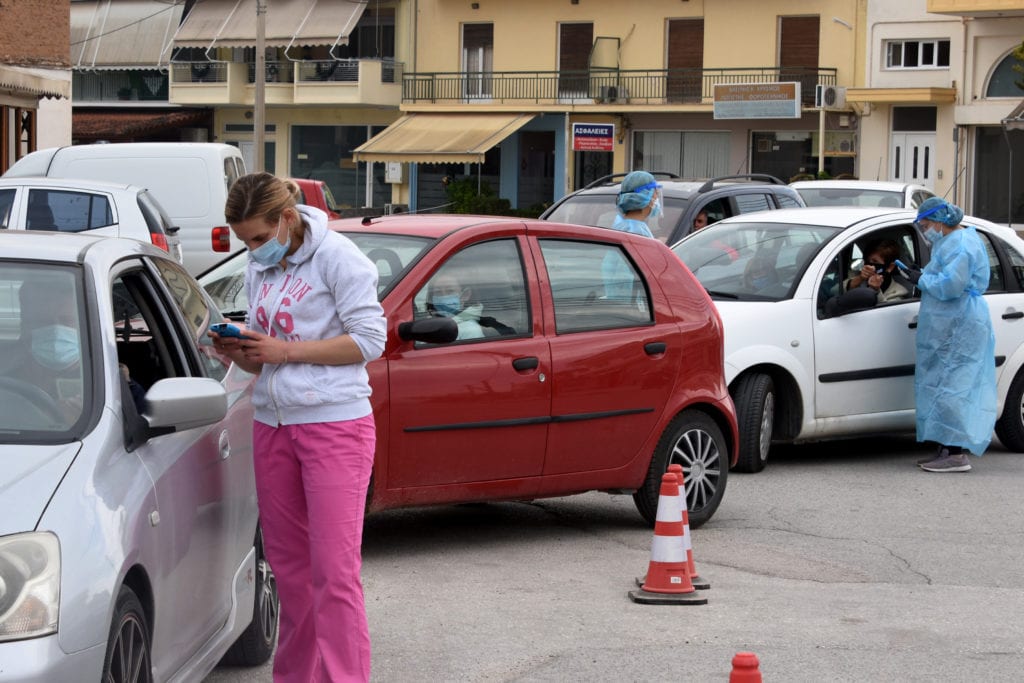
(529, 359)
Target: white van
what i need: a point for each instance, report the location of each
(189, 179)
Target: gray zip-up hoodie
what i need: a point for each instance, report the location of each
(328, 289)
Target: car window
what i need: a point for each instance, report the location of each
(749, 203)
(787, 202)
(717, 209)
(918, 197)
(848, 263)
(196, 313)
(6, 204)
(586, 209)
(483, 288)
(996, 283)
(594, 286)
(392, 254)
(1016, 266)
(67, 211)
(231, 172)
(45, 376)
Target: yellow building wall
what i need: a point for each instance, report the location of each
(526, 31)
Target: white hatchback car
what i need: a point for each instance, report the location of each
(799, 367)
(886, 194)
(89, 206)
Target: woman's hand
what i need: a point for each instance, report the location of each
(261, 348)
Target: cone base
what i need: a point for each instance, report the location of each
(699, 582)
(647, 598)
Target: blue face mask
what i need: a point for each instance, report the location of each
(447, 304)
(55, 346)
(932, 234)
(272, 251)
(759, 283)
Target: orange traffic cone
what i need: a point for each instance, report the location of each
(698, 582)
(668, 576)
(745, 668)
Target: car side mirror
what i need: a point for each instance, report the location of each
(434, 330)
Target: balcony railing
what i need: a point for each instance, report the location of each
(326, 71)
(641, 86)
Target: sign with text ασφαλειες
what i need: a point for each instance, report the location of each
(757, 101)
(593, 137)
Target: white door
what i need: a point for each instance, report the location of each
(912, 158)
(247, 148)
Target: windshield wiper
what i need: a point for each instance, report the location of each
(722, 295)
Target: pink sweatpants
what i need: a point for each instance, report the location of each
(311, 481)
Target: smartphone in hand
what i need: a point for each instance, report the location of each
(227, 330)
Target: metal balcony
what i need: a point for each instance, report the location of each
(637, 87)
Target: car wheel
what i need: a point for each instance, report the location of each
(256, 643)
(755, 414)
(694, 441)
(1010, 426)
(128, 649)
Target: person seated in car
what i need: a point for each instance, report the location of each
(760, 273)
(879, 273)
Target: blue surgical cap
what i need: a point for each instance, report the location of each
(939, 210)
(636, 191)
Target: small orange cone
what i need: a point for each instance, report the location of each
(745, 668)
(668, 576)
(698, 582)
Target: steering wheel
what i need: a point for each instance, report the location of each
(34, 395)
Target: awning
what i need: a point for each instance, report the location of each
(441, 138)
(119, 125)
(232, 23)
(902, 95)
(35, 82)
(130, 34)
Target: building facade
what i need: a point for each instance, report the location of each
(34, 77)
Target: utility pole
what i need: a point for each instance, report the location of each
(258, 128)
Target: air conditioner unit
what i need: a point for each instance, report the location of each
(391, 209)
(610, 94)
(829, 96)
(840, 142)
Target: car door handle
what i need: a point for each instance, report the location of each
(224, 445)
(913, 323)
(655, 348)
(528, 363)
(1015, 315)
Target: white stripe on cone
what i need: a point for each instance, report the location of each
(667, 549)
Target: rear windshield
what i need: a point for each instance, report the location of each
(834, 196)
(599, 210)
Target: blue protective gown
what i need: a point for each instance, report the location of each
(631, 225)
(955, 376)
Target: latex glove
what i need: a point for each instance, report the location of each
(912, 272)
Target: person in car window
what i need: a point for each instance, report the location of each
(447, 298)
(639, 199)
(314, 322)
(879, 273)
(955, 372)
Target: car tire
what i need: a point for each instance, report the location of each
(754, 397)
(1010, 425)
(256, 644)
(694, 441)
(129, 654)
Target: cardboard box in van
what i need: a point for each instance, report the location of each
(189, 179)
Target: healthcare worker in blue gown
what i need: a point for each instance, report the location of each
(955, 376)
(639, 199)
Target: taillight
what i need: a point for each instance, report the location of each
(159, 239)
(221, 237)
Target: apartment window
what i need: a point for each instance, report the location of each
(917, 54)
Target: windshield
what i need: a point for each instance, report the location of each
(853, 196)
(44, 383)
(750, 260)
(599, 210)
(225, 283)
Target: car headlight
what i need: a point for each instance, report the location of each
(29, 585)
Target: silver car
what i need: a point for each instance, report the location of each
(130, 548)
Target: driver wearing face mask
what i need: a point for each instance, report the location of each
(447, 298)
(50, 331)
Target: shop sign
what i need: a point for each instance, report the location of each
(757, 101)
(593, 137)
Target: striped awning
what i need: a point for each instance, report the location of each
(441, 138)
(232, 23)
(129, 34)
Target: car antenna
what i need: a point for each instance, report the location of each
(367, 220)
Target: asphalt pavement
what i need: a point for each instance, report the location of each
(841, 561)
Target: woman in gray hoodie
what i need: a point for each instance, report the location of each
(313, 323)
